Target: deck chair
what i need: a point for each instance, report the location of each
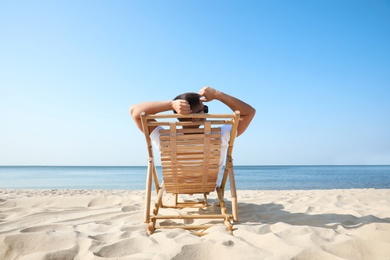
(190, 164)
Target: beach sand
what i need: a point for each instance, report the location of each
(99, 224)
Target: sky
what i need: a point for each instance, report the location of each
(317, 73)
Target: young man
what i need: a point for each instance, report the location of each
(190, 102)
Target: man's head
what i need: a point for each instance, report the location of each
(193, 100)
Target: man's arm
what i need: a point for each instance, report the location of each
(154, 107)
(247, 112)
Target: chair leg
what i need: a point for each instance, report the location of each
(158, 203)
(233, 194)
(176, 198)
(148, 190)
(205, 199)
(228, 225)
(220, 195)
(151, 227)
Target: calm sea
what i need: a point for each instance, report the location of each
(247, 177)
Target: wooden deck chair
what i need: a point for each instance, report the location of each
(190, 164)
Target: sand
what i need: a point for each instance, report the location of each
(99, 224)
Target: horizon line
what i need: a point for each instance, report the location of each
(246, 165)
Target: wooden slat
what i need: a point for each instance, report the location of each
(190, 131)
(160, 116)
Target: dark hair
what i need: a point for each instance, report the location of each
(192, 98)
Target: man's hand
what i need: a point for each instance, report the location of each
(208, 93)
(181, 106)
(246, 111)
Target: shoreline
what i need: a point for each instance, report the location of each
(273, 224)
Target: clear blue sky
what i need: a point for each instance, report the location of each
(317, 72)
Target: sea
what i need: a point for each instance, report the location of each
(247, 177)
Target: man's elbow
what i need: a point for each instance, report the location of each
(250, 114)
(134, 112)
(253, 112)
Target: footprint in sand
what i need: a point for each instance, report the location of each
(126, 247)
(46, 228)
(20, 245)
(7, 204)
(130, 208)
(102, 201)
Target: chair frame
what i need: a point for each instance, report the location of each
(171, 122)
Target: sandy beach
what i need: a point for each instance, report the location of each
(100, 224)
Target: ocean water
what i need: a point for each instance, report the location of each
(247, 177)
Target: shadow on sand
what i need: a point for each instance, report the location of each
(273, 213)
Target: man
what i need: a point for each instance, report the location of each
(190, 102)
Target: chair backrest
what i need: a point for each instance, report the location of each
(190, 150)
